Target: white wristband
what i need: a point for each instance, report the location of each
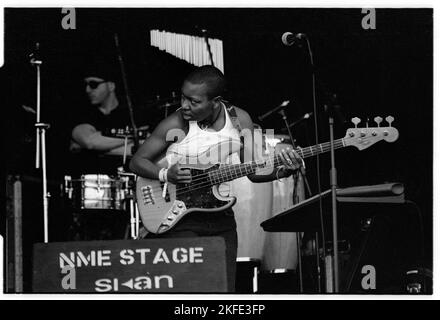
(163, 175)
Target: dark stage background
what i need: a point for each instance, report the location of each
(386, 71)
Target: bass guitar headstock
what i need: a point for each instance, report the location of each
(363, 138)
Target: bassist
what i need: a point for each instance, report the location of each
(204, 121)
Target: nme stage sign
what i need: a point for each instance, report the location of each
(134, 266)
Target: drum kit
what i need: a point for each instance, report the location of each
(90, 193)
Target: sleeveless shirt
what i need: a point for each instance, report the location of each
(200, 146)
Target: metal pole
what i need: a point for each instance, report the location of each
(134, 217)
(300, 174)
(127, 95)
(333, 183)
(41, 141)
(318, 261)
(132, 220)
(38, 137)
(298, 244)
(42, 127)
(45, 193)
(137, 219)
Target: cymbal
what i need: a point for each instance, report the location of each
(146, 127)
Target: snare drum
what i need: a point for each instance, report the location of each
(98, 191)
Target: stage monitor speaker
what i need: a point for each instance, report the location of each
(178, 265)
(375, 265)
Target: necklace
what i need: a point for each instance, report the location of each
(206, 126)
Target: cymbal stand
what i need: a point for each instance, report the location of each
(169, 104)
(127, 133)
(40, 155)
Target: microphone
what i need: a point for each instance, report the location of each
(304, 117)
(289, 39)
(282, 105)
(200, 31)
(35, 58)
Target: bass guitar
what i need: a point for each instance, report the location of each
(160, 211)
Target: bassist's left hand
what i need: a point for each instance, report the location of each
(291, 159)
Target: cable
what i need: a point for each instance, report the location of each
(315, 117)
(422, 230)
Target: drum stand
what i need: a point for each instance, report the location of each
(134, 219)
(134, 212)
(40, 155)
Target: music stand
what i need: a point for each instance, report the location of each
(304, 216)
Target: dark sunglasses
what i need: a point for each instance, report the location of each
(93, 84)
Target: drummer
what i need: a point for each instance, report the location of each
(92, 139)
(91, 143)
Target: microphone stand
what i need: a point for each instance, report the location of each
(294, 123)
(302, 172)
(127, 95)
(205, 36)
(268, 113)
(304, 177)
(315, 113)
(333, 185)
(134, 213)
(40, 155)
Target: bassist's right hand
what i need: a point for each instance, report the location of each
(176, 174)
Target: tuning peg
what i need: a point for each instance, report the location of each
(355, 121)
(390, 120)
(378, 120)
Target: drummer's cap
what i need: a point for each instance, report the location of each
(103, 68)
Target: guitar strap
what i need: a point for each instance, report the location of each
(234, 118)
(233, 115)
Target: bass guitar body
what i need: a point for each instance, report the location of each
(161, 210)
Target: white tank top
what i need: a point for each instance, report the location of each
(205, 147)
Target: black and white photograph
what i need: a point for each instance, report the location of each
(232, 151)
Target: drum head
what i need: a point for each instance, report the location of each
(98, 192)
